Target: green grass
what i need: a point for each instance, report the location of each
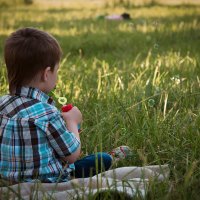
(136, 82)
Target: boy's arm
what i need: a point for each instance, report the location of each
(65, 142)
(73, 117)
(72, 127)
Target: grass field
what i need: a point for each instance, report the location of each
(136, 82)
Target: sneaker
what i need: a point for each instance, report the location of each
(121, 153)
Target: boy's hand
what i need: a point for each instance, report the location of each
(72, 118)
(74, 115)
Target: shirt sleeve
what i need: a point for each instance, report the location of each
(61, 140)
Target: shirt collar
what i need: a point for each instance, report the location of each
(34, 93)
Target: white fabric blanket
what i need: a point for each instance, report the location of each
(132, 181)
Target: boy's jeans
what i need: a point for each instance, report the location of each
(92, 164)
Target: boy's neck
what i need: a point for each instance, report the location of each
(37, 82)
(38, 86)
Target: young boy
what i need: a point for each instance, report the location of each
(36, 140)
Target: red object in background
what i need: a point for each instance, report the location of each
(67, 108)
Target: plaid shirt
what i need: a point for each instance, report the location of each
(33, 138)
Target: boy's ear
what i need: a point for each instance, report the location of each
(45, 75)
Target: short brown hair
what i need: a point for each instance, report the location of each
(27, 51)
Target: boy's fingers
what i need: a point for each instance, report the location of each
(74, 114)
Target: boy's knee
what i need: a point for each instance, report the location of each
(106, 159)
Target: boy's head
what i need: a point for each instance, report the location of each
(32, 56)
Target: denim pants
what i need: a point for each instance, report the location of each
(92, 165)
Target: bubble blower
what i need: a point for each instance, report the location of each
(67, 108)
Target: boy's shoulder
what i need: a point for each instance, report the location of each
(3, 98)
(26, 107)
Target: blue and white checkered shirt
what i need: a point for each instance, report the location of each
(33, 138)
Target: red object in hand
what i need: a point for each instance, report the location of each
(67, 107)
